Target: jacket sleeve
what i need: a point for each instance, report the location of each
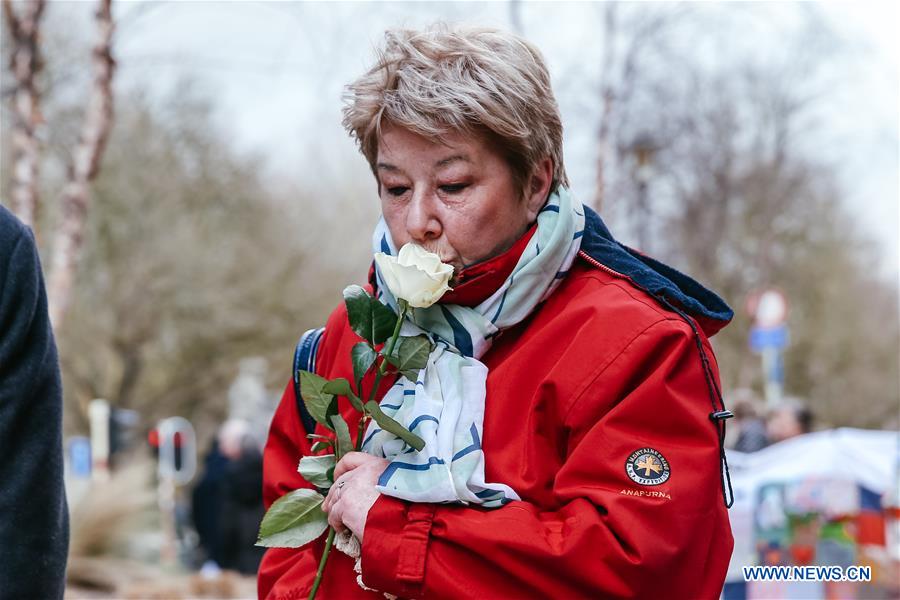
(284, 447)
(607, 535)
(34, 527)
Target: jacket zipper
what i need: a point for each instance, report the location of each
(601, 266)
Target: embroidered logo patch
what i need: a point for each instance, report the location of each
(647, 467)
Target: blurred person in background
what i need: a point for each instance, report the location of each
(747, 431)
(34, 518)
(789, 420)
(242, 502)
(206, 505)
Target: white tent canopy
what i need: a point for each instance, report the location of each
(870, 458)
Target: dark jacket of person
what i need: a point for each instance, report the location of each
(207, 503)
(242, 512)
(34, 522)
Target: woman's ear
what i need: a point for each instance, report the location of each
(538, 188)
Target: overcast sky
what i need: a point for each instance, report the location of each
(277, 69)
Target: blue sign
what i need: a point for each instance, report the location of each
(80, 456)
(762, 338)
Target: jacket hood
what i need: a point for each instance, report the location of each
(667, 285)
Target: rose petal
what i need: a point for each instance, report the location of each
(413, 254)
(415, 275)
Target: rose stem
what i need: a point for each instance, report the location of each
(379, 372)
(328, 542)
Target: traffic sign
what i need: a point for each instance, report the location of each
(768, 337)
(768, 308)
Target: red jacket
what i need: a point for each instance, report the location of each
(598, 415)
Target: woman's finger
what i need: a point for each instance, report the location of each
(350, 461)
(334, 517)
(333, 495)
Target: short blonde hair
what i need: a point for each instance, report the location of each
(474, 80)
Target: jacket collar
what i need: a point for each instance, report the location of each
(661, 281)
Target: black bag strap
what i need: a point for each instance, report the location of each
(305, 360)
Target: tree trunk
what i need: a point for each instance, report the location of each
(607, 99)
(85, 164)
(25, 63)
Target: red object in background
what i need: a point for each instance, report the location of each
(802, 554)
(870, 528)
(153, 438)
(771, 555)
(596, 373)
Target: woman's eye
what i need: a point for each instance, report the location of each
(454, 188)
(397, 191)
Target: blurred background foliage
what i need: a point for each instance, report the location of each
(743, 199)
(191, 262)
(197, 253)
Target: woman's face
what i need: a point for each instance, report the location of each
(457, 198)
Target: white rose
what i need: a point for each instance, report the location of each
(415, 275)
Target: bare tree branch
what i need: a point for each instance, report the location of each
(607, 98)
(25, 63)
(85, 163)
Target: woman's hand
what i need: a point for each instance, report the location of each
(353, 493)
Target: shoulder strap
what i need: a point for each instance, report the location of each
(305, 360)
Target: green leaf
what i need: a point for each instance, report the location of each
(411, 375)
(344, 445)
(338, 387)
(315, 469)
(317, 400)
(293, 520)
(411, 355)
(330, 412)
(341, 387)
(389, 424)
(356, 402)
(369, 318)
(320, 445)
(363, 358)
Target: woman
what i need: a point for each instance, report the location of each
(602, 416)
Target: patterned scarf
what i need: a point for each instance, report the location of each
(445, 405)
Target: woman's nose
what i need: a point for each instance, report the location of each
(422, 222)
